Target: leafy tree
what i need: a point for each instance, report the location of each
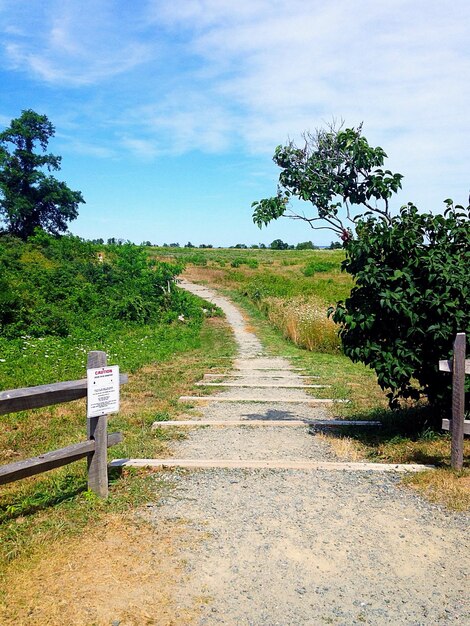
(29, 197)
(335, 169)
(278, 244)
(411, 296)
(335, 245)
(305, 245)
(410, 271)
(189, 245)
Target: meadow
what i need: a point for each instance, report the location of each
(61, 299)
(292, 288)
(165, 341)
(286, 295)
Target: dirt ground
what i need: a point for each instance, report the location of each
(122, 573)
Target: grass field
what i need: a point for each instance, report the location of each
(292, 288)
(274, 290)
(285, 295)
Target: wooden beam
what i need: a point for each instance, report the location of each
(446, 366)
(255, 400)
(271, 464)
(97, 428)
(50, 460)
(458, 401)
(267, 422)
(447, 425)
(45, 395)
(255, 385)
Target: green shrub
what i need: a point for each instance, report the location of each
(53, 286)
(411, 297)
(317, 266)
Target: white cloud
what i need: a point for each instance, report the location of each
(69, 43)
(218, 75)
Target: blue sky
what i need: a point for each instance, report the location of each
(167, 113)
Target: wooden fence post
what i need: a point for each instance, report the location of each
(458, 401)
(97, 429)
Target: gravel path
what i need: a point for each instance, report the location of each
(290, 547)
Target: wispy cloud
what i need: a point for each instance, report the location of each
(218, 75)
(71, 43)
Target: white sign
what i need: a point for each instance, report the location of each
(103, 390)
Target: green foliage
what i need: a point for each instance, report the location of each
(305, 245)
(318, 266)
(411, 297)
(335, 168)
(56, 286)
(278, 244)
(29, 198)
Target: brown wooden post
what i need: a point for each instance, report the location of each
(97, 428)
(458, 401)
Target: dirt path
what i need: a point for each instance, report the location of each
(292, 547)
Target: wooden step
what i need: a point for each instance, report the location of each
(313, 424)
(261, 400)
(270, 464)
(261, 385)
(258, 422)
(238, 375)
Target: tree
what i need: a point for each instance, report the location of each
(278, 244)
(305, 245)
(30, 198)
(336, 169)
(411, 291)
(335, 245)
(410, 297)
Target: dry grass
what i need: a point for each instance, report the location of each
(122, 570)
(304, 321)
(345, 448)
(452, 489)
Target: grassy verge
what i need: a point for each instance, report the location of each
(164, 363)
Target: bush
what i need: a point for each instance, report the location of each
(317, 266)
(411, 297)
(51, 286)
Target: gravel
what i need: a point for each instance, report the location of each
(291, 547)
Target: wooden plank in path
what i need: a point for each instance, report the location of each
(268, 369)
(270, 375)
(269, 464)
(230, 423)
(45, 462)
(261, 400)
(273, 422)
(261, 385)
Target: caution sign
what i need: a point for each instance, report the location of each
(103, 390)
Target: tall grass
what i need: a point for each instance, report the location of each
(292, 288)
(304, 321)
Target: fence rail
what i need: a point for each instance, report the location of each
(94, 449)
(458, 425)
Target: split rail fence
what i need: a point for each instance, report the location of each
(95, 449)
(458, 425)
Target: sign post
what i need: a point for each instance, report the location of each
(102, 398)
